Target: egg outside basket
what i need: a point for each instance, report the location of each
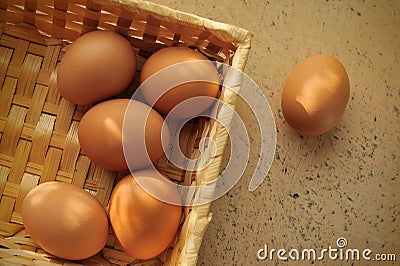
(38, 128)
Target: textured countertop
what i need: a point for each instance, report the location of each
(343, 184)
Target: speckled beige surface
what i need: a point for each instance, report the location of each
(341, 184)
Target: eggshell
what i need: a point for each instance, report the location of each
(65, 220)
(198, 77)
(315, 95)
(143, 225)
(96, 66)
(100, 134)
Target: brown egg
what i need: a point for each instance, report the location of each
(143, 225)
(65, 220)
(96, 66)
(315, 95)
(195, 78)
(100, 134)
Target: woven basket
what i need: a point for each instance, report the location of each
(38, 128)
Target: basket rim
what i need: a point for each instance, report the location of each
(182, 16)
(235, 34)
